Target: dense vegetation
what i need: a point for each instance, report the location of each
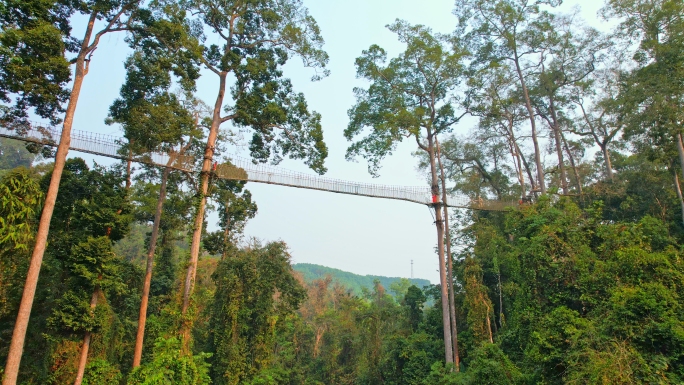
(581, 282)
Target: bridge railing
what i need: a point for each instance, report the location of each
(240, 168)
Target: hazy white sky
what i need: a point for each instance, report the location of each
(357, 234)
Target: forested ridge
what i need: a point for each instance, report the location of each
(115, 275)
(354, 282)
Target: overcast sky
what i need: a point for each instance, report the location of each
(356, 234)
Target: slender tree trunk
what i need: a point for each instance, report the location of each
(519, 172)
(533, 126)
(572, 164)
(450, 265)
(199, 217)
(559, 150)
(607, 161)
(489, 324)
(528, 169)
(142, 318)
(19, 333)
(446, 319)
(678, 189)
(500, 299)
(515, 153)
(83, 360)
(680, 150)
(128, 172)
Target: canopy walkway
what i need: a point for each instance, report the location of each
(240, 168)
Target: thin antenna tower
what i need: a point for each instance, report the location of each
(412, 269)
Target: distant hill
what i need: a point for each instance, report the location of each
(352, 281)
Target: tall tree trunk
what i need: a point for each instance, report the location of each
(199, 217)
(678, 189)
(446, 319)
(450, 265)
(489, 323)
(83, 360)
(19, 333)
(528, 169)
(519, 172)
(680, 150)
(142, 317)
(607, 161)
(533, 125)
(500, 298)
(559, 150)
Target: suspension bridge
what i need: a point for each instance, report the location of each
(239, 168)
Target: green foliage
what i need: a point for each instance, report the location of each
(33, 69)
(561, 290)
(94, 261)
(489, 365)
(73, 313)
(477, 303)
(91, 203)
(235, 208)
(577, 288)
(413, 301)
(254, 287)
(101, 372)
(20, 199)
(152, 117)
(169, 366)
(401, 100)
(256, 38)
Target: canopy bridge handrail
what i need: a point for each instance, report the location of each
(239, 168)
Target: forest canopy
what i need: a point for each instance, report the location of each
(141, 273)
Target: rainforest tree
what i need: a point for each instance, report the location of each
(416, 95)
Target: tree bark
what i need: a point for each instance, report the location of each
(608, 163)
(83, 360)
(446, 319)
(678, 189)
(19, 333)
(489, 324)
(450, 267)
(680, 150)
(533, 126)
(199, 217)
(129, 162)
(142, 318)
